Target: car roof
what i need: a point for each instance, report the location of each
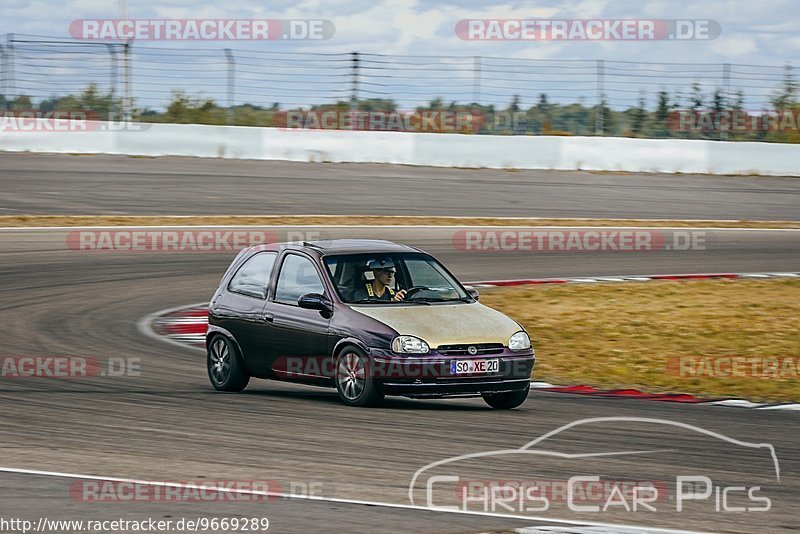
(355, 246)
(326, 247)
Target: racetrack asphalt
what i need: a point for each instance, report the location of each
(62, 184)
(167, 424)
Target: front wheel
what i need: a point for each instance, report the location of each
(506, 400)
(354, 381)
(226, 370)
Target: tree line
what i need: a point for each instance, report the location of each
(703, 118)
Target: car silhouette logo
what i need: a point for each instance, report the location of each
(473, 350)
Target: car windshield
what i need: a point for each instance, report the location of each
(423, 278)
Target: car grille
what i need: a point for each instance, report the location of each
(463, 350)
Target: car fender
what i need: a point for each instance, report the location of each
(350, 341)
(214, 330)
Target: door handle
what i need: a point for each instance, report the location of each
(268, 317)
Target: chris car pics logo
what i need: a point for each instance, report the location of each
(442, 485)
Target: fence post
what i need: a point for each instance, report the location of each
(726, 87)
(9, 76)
(127, 101)
(3, 89)
(354, 80)
(231, 83)
(476, 79)
(601, 99)
(113, 114)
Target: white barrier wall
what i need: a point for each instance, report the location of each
(444, 150)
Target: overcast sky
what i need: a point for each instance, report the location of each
(753, 33)
(757, 32)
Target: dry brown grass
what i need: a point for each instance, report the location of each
(623, 335)
(7, 221)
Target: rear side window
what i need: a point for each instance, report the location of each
(298, 276)
(252, 278)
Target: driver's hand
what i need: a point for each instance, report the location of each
(400, 295)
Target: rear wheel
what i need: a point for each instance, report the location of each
(354, 382)
(226, 370)
(506, 400)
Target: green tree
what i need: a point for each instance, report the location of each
(638, 116)
(697, 97)
(663, 109)
(786, 97)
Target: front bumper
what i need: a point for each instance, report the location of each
(430, 375)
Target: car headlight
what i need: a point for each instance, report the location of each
(519, 341)
(410, 345)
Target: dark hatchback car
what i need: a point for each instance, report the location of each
(370, 317)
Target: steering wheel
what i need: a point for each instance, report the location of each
(413, 290)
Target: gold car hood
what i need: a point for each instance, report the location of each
(445, 324)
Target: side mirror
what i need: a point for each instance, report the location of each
(472, 292)
(315, 301)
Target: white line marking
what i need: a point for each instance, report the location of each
(317, 498)
(789, 406)
(637, 278)
(547, 529)
(738, 403)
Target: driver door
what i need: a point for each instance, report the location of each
(300, 341)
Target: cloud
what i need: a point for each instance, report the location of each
(759, 33)
(735, 46)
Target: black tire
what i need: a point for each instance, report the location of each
(506, 400)
(354, 381)
(226, 370)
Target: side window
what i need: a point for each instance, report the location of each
(252, 278)
(298, 276)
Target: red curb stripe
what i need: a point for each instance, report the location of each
(521, 282)
(692, 276)
(186, 328)
(628, 393)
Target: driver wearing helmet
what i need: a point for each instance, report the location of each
(382, 286)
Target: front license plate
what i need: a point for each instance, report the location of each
(466, 367)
